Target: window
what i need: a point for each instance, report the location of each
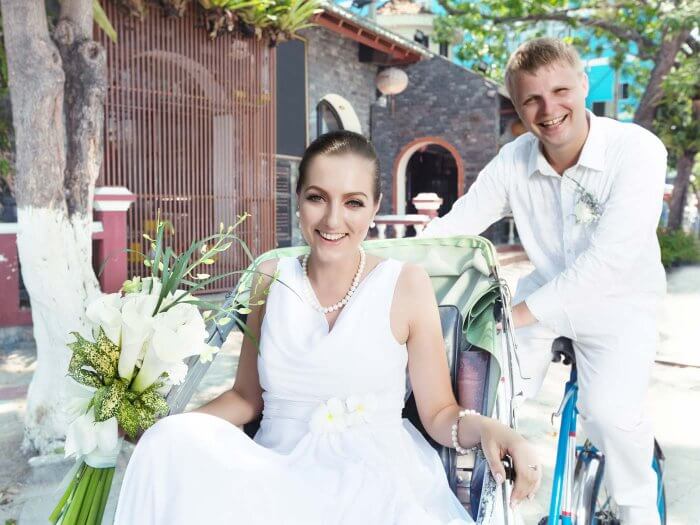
(624, 90)
(327, 119)
(444, 49)
(598, 109)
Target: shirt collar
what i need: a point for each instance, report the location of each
(593, 152)
(592, 155)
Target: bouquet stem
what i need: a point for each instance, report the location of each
(85, 498)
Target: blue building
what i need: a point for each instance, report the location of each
(612, 90)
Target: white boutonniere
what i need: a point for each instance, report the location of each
(587, 208)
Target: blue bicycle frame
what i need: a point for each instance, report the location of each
(562, 485)
(560, 506)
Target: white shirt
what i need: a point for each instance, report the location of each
(624, 167)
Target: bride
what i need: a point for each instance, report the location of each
(335, 338)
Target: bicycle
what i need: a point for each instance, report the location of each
(579, 495)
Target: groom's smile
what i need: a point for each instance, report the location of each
(553, 123)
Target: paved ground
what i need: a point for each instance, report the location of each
(28, 486)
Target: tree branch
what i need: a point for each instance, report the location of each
(623, 33)
(646, 45)
(663, 62)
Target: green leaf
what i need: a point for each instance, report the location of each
(160, 231)
(154, 402)
(102, 357)
(128, 418)
(108, 399)
(81, 375)
(102, 21)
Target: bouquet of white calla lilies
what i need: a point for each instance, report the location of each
(119, 380)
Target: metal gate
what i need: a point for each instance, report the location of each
(190, 129)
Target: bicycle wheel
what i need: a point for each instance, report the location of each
(592, 504)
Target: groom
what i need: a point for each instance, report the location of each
(586, 195)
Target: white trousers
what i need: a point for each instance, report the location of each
(615, 348)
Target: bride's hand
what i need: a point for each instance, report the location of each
(498, 440)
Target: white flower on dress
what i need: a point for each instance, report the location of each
(361, 409)
(329, 417)
(336, 415)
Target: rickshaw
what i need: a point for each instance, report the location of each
(472, 298)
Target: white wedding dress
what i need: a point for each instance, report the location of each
(332, 447)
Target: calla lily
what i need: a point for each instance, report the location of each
(177, 333)
(75, 398)
(104, 312)
(85, 436)
(137, 328)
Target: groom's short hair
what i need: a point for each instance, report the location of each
(534, 54)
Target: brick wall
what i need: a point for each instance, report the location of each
(333, 67)
(442, 100)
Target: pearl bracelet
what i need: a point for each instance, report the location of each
(455, 426)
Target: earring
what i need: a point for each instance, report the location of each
(297, 214)
(372, 224)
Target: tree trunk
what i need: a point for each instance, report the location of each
(684, 168)
(57, 98)
(663, 62)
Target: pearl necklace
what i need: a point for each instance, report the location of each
(337, 306)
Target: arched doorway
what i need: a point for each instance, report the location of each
(428, 165)
(334, 112)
